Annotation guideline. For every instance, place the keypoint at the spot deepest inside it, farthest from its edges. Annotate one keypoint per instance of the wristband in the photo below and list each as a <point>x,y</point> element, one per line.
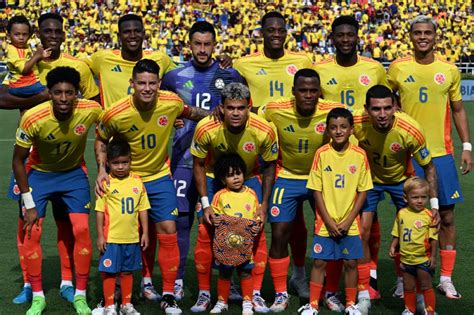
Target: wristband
<point>434,203</point>
<point>466,146</point>
<point>28,200</point>
<point>205,202</point>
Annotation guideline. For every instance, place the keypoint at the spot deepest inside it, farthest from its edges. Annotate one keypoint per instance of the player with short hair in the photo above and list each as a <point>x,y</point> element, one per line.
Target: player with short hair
<point>345,78</point>
<point>118,212</point>
<point>390,139</point>
<point>300,122</point>
<point>418,241</point>
<point>199,83</point>
<point>269,75</point>
<point>145,119</point>
<point>57,131</point>
<point>422,80</point>
<point>250,136</point>
<point>113,68</point>
<point>340,178</point>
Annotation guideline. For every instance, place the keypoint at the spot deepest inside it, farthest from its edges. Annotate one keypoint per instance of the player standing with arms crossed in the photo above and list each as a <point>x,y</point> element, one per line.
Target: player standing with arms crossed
<point>199,83</point>
<point>429,89</point>
<point>57,130</point>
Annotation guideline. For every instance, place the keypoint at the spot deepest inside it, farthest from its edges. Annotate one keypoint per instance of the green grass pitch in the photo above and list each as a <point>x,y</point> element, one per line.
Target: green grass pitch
<point>11,281</point>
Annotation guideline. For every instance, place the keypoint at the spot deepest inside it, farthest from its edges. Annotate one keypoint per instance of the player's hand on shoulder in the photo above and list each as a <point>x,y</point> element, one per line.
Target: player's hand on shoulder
<point>225,61</point>
<point>101,244</point>
<point>101,183</point>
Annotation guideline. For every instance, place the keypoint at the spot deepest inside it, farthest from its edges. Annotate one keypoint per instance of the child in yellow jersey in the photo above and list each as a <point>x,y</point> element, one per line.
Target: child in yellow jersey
<point>340,178</point>
<point>118,211</point>
<point>418,242</point>
<point>234,237</point>
<point>22,79</point>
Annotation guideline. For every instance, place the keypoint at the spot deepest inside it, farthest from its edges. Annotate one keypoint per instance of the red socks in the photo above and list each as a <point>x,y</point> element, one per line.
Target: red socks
<point>279,272</point>
<point>168,259</point>
<point>203,257</point>
<point>260,256</point>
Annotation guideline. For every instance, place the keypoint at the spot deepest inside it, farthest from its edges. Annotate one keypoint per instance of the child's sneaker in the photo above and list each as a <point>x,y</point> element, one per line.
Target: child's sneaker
<point>333,303</point>
<point>307,310</point>
<point>352,310</point>
<point>281,303</point>
<point>247,307</point>
<point>128,309</point>
<point>202,304</point>
<point>447,288</point>
<point>220,307</point>
<point>259,304</point>
<point>110,310</point>
<point>169,306</point>
<point>178,289</point>
<point>149,292</point>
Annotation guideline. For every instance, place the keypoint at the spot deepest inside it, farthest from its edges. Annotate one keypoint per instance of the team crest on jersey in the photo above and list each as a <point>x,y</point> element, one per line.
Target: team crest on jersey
<point>162,120</point>
<point>318,248</point>
<point>320,128</point>
<point>418,224</point>
<point>275,211</point>
<point>16,190</point>
<point>395,147</point>
<point>219,83</point>
<point>274,148</point>
<point>80,129</point>
<point>364,79</point>
<point>248,207</point>
<point>439,78</point>
<point>291,69</point>
<point>352,169</point>
<point>248,147</point>
<point>107,263</point>
<point>135,190</point>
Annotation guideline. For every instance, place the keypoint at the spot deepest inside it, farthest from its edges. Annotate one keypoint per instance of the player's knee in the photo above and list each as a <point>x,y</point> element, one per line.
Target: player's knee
<point>319,264</point>
<point>166,227</point>
<point>350,264</point>
<point>447,219</point>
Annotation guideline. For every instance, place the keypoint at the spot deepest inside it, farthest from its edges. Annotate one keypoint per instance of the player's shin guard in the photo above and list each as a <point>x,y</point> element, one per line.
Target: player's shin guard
<point>108,287</point>
<point>65,243</point>
<point>350,296</point>
<point>247,288</point>
<point>126,285</point>
<point>430,300</point>
<point>34,256</point>
<point>203,257</point>
<point>223,289</point>
<point>299,239</point>
<point>148,256</point>
<point>448,259</point>
<point>315,294</point>
<point>279,272</point>
<point>410,301</point>
<point>333,275</point>
<point>82,248</point>
<point>168,259</point>
<point>183,228</point>
<point>20,237</point>
<point>260,253</point>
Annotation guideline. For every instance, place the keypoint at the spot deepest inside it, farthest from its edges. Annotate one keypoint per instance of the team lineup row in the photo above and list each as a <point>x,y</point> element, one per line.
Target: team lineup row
<point>200,84</point>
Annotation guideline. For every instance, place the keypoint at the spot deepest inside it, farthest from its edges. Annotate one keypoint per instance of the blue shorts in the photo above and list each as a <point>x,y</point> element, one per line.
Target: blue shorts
<point>121,257</point>
<point>162,197</point>
<point>412,269</point>
<point>449,188</point>
<point>329,248</point>
<point>27,91</point>
<point>186,191</point>
<point>214,186</point>
<point>287,195</point>
<point>376,194</point>
<point>69,189</point>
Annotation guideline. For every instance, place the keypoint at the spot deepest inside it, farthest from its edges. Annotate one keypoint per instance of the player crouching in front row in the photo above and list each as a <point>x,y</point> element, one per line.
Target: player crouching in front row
<point>339,169</point>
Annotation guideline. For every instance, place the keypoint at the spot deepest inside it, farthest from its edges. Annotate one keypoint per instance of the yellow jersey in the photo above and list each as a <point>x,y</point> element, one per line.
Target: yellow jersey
<point>425,94</point>
<point>57,145</point>
<point>147,132</point>
<point>349,85</point>
<point>242,204</point>
<point>16,59</point>
<point>298,136</point>
<point>339,176</point>
<point>87,85</point>
<point>212,139</point>
<point>414,233</point>
<point>390,153</point>
<point>121,202</point>
<point>114,72</point>
<point>270,79</point>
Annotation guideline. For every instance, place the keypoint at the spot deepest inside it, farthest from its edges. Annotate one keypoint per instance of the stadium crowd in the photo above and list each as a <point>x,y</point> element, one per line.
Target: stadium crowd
<point>92,25</point>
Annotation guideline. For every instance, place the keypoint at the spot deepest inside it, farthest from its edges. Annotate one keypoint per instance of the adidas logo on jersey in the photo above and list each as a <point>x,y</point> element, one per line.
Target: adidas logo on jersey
<point>189,84</point>
<point>289,128</point>
<point>115,192</point>
<point>221,147</point>
<point>328,169</point>
<point>456,195</point>
<point>332,82</point>
<point>409,79</point>
<point>133,128</point>
<point>227,206</point>
<point>50,137</point>
<point>262,72</point>
<point>117,68</point>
